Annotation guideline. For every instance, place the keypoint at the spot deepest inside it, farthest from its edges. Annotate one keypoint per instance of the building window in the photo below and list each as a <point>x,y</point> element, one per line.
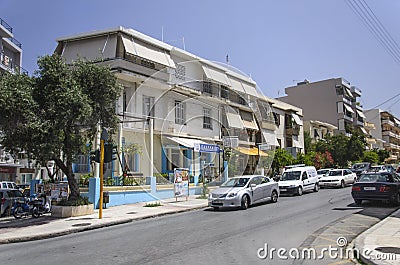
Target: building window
<point>174,160</point>
<point>277,119</point>
<point>124,101</point>
<point>207,119</point>
<point>207,88</point>
<point>266,112</point>
<point>180,72</point>
<point>179,112</point>
<point>224,92</point>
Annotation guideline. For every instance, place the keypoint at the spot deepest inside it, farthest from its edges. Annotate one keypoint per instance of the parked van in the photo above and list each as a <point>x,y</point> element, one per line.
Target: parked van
<point>299,179</point>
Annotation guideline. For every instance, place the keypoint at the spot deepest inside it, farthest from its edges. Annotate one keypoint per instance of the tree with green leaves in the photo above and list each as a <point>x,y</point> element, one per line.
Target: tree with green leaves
<point>281,159</point>
<point>370,156</point>
<point>55,113</point>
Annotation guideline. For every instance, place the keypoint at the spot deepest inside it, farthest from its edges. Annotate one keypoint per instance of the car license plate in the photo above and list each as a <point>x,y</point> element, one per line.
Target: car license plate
<point>216,201</point>
<point>369,188</point>
<point>283,189</point>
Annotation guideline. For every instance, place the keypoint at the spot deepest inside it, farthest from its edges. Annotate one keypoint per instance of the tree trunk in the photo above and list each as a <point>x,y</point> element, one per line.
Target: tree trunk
<point>73,185</point>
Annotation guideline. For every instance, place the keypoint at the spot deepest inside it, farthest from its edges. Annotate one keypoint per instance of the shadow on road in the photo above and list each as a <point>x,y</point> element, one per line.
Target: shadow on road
<point>11,222</point>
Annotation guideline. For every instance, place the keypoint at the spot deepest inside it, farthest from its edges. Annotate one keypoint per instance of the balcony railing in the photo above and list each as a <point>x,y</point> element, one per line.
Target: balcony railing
<point>4,24</point>
<point>13,40</point>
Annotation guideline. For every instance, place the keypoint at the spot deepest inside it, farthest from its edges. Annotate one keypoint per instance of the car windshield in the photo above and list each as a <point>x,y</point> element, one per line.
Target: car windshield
<point>375,178</point>
<point>359,166</point>
<point>335,173</point>
<point>235,182</point>
<point>293,175</point>
<point>322,171</point>
<point>15,193</point>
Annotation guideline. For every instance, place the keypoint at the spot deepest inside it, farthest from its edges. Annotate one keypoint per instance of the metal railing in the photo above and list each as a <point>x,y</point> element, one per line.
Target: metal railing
<point>4,24</point>
<point>13,40</point>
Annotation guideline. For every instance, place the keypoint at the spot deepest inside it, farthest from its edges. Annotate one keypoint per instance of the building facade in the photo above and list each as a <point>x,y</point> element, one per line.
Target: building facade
<point>18,169</point>
<point>333,101</point>
<point>191,101</point>
<point>386,132</point>
<point>318,130</point>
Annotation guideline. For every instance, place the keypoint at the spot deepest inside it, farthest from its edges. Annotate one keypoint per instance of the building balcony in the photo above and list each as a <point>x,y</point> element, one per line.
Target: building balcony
<point>5,29</point>
<point>292,130</point>
<point>391,134</point>
<point>356,91</point>
<point>7,64</point>
<point>387,121</point>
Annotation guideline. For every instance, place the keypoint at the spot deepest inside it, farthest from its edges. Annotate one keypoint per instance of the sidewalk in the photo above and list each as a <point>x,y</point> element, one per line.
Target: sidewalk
<point>27,229</point>
<point>381,243</point>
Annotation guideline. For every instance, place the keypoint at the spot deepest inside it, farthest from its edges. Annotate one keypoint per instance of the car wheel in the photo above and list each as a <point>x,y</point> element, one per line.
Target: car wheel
<point>274,196</point>
<point>316,187</point>
<point>299,191</point>
<point>18,212</point>
<point>397,200</point>
<point>358,202</point>
<point>342,184</point>
<point>245,202</point>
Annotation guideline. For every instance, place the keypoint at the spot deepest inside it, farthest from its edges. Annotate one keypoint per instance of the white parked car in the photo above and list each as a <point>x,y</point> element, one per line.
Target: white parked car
<point>299,179</point>
<point>323,171</point>
<point>244,191</point>
<point>338,178</point>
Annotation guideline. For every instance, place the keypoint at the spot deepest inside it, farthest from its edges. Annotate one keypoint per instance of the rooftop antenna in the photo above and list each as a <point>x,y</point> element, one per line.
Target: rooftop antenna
<point>183,42</point>
<point>227,59</point>
<point>162,33</point>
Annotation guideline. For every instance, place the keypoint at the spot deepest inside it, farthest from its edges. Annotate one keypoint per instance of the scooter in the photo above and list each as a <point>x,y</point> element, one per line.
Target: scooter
<point>36,206</point>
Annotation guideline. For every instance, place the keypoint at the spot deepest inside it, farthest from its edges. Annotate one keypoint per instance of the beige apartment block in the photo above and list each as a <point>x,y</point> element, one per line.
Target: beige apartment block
<point>386,131</point>
<point>332,101</point>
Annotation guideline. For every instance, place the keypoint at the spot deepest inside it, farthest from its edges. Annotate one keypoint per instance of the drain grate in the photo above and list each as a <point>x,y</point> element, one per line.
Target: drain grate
<point>393,250</point>
<point>81,224</point>
<point>132,213</point>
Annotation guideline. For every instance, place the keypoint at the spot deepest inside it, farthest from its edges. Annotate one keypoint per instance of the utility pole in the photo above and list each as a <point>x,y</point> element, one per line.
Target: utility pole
<point>104,136</point>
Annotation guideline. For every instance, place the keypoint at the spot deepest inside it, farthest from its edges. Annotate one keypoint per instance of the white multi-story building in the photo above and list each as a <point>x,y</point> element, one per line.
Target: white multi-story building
<point>191,100</point>
<point>18,169</point>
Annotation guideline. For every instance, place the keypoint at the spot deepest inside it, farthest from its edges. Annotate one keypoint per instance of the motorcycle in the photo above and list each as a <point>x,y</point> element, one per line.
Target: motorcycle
<point>36,206</point>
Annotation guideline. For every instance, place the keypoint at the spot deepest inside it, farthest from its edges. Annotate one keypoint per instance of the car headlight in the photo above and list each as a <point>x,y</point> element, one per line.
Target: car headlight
<point>232,194</point>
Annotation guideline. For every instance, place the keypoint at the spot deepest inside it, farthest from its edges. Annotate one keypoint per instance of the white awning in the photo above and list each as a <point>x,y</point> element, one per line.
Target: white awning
<point>250,124</point>
<point>270,137</point>
<point>348,108</point>
<point>297,144</point>
<point>236,85</point>
<point>251,90</point>
<point>397,121</point>
<point>144,52</point>
<point>187,142</point>
<point>297,119</point>
<point>361,114</point>
<point>363,130</point>
<point>348,92</point>
<point>234,120</point>
<point>216,75</point>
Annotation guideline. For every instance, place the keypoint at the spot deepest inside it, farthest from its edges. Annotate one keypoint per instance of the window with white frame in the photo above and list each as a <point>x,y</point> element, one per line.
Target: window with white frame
<point>179,112</point>
<point>207,118</point>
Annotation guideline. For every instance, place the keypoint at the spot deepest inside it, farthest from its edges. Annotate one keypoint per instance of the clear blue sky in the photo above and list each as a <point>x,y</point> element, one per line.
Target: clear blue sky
<point>278,43</point>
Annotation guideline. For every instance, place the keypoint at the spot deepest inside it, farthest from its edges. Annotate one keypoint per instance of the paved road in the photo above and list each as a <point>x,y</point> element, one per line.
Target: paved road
<point>199,237</point>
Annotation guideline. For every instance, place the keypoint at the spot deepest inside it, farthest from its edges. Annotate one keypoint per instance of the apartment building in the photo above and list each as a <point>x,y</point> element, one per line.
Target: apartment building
<point>18,169</point>
<point>318,130</point>
<point>386,132</point>
<point>191,101</point>
<point>332,101</point>
<point>10,50</point>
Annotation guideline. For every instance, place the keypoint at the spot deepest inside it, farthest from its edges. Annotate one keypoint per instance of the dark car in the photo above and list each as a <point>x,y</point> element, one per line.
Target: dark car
<point>7,199</point>
<point>380,186</point>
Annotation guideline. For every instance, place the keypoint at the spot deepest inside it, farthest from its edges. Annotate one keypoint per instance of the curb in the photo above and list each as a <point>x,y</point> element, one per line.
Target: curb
<point>91,227</point>
<point>359,242</point>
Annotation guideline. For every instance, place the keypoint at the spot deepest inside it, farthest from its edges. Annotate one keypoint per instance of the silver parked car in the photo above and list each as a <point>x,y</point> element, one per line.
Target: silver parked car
<point>244,191</point>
